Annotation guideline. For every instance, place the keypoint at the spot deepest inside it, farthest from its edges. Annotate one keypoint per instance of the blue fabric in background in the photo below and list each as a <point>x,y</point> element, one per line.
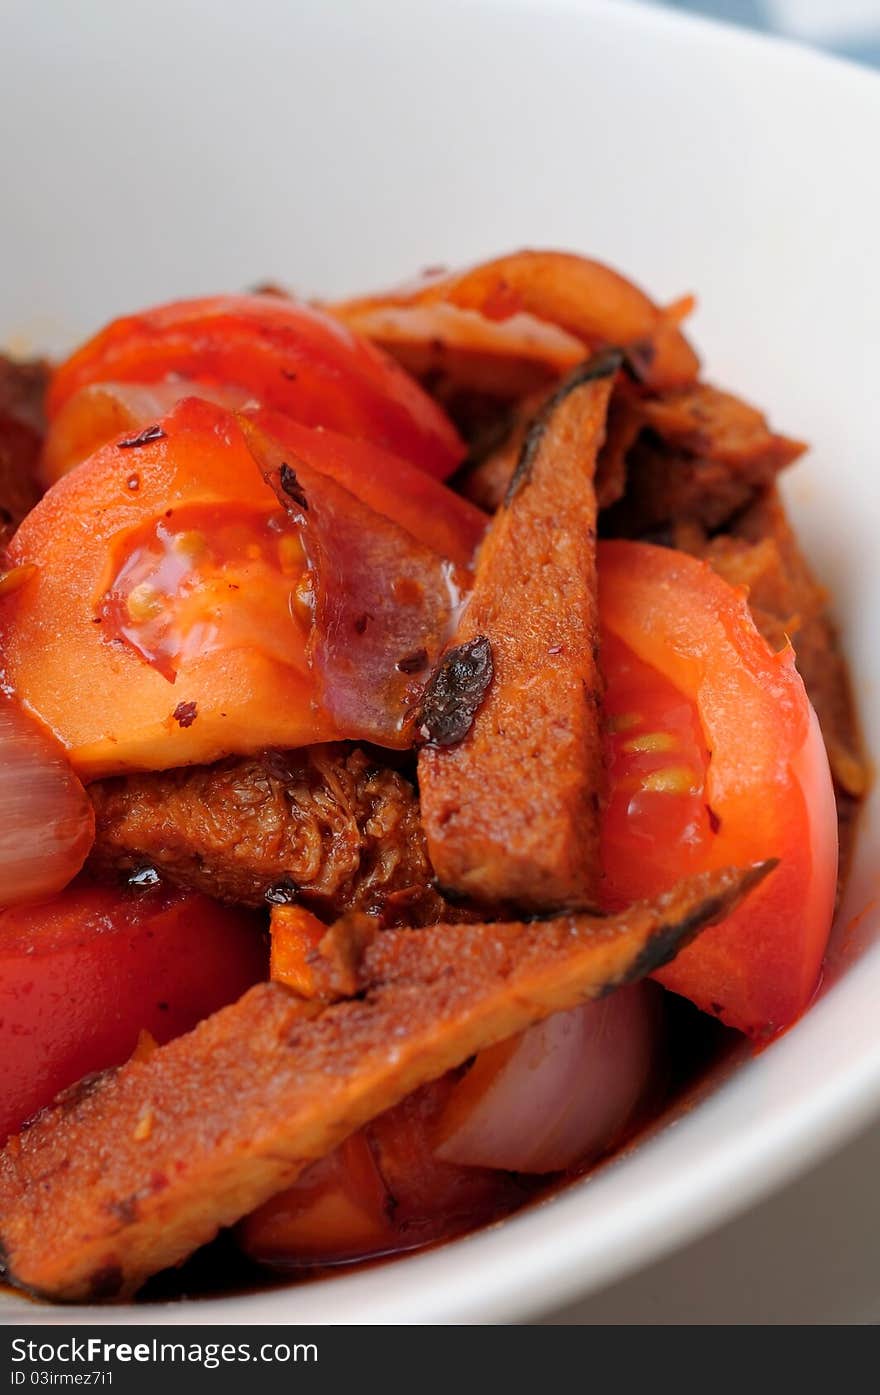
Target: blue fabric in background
<point>859,41</point>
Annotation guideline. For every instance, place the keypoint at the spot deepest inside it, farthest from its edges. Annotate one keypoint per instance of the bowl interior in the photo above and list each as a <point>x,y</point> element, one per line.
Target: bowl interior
<point>192,147</point>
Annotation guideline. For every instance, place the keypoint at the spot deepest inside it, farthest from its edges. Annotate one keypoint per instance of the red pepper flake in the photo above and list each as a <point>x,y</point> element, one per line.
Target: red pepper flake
<point>412,663</point>
<point>714,819</point>
<point>134,483</point>
<point>292,487</point>
<point>555,649</point>
<point>143,438</point>
<point>289,374</point>
<point>360,623</point>
<point>502,301</point>
<point>185,713</point>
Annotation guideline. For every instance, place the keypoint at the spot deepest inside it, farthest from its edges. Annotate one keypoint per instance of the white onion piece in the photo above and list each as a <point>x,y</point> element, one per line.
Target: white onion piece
<point>47,824</point>
<point>565,1091</point>
<point>519,334</point>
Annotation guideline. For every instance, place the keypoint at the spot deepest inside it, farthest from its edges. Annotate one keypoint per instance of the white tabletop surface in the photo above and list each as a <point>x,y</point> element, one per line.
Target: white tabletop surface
<point>809,1255</point>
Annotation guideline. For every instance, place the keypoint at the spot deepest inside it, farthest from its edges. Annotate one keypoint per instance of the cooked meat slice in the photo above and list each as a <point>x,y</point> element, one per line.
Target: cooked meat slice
<point>23,384</point>
<point>510,799</point>
<point>622,430</point>
<point>761,552</point>
<point>330,824</point>
<point>22,388</point>
<point>703,456</point>
<point>137,1170</point>
<point>694,453</point>
<point>485,480</point>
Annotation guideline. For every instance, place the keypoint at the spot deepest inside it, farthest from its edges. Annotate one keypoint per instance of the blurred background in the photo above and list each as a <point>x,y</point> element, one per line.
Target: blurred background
<point>849,28</point>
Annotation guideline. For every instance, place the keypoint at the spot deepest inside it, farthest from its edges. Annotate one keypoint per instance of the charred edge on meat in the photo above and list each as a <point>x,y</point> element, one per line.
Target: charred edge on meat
<point>455,692</point>
<point>665,945</point>
<point>602,365</point>
<point>638,359</point>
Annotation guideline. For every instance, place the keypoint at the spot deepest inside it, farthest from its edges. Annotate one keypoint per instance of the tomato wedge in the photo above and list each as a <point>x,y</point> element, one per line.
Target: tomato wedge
<point>286,355</point>
<point>715,758</point>
<point>161,626</point>
<point>81,976</point>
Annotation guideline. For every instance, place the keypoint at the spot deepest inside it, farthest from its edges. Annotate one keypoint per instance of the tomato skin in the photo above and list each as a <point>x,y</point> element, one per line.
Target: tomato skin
<point>444,521</point>
<point>82,975</point>
<point>767,789</point>
<point>289,356</point>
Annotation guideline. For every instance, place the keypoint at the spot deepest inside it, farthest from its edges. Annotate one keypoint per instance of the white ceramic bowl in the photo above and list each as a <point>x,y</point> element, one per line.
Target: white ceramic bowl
<point>190,145</point>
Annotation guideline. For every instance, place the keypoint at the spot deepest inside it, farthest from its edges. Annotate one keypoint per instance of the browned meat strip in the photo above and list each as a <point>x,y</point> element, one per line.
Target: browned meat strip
<point>510,796</point>
<point>693,454</point>
<point>329,822</point>
<point>485,479</point>
<point>22,388</point>
<point>703,456</point>
<point>133,1173</point>
<point>761,552</point>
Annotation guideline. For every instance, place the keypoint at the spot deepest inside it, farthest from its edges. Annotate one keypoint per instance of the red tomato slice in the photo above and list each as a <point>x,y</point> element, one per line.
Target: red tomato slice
<point>288,356</point>
<point>715,758</point>
<point>83,975</point>
<point>162,625</point>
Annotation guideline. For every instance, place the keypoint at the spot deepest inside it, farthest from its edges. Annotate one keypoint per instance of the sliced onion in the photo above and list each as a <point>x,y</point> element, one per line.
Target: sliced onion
<point>47,824</point>
<point>559,1094</point>
<point>505,358</point>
